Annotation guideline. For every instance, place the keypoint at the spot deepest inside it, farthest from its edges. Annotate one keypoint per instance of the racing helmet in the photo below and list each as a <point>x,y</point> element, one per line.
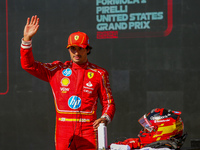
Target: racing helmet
<point>160,124</point>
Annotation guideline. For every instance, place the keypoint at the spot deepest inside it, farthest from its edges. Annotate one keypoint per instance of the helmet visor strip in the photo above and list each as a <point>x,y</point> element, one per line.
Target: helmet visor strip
<point>146,123</point>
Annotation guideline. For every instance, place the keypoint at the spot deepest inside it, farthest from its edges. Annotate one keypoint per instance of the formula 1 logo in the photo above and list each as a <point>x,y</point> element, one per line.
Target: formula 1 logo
<point>74,102</point>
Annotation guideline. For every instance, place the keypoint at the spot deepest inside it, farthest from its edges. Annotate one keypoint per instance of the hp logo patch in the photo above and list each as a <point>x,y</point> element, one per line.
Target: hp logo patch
<point>67,72</point>
<point>74,102</point>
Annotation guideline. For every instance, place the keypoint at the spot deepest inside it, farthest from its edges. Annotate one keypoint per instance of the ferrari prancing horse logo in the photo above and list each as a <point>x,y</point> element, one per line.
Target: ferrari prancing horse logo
<point>76,37</point>
<point>90,75</point>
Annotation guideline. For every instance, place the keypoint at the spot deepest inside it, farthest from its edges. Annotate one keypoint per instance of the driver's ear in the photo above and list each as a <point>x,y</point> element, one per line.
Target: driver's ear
<point>88,50</point>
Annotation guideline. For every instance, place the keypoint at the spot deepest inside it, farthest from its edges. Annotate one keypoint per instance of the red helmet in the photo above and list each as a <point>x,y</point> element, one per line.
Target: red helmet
<point>160,124</point>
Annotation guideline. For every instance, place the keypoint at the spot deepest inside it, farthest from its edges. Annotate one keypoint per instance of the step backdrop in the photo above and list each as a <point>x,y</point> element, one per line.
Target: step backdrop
<point>150,48</point>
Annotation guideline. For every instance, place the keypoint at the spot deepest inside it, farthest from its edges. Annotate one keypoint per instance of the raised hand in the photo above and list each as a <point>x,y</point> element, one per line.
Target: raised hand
<point>31,28</point>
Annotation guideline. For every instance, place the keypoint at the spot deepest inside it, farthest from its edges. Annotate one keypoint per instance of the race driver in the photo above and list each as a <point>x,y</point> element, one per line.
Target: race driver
<point>76,87</point>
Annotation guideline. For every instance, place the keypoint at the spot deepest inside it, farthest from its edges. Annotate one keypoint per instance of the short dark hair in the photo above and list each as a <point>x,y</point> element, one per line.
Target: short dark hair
<point>89,48</point>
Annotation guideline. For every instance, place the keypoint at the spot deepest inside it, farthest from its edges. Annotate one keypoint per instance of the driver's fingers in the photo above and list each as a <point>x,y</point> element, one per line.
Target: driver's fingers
<point>32,19</point>
<point>28,21</point>
<point>35,19</point>
<point>38,20</point>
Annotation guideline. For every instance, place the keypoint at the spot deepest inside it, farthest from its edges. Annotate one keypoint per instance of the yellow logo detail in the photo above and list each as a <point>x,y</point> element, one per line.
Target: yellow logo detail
<point>165,130</point>
<point>90,75</point>
<point>76,37</point>
<point>65,81</point>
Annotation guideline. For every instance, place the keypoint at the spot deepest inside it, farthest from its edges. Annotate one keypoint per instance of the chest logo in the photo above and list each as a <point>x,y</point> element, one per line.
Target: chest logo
<point>65,81</point>
<point>67,72</point>
<point>89,84</point>
<point>90,75</point>
<point>74,102</point>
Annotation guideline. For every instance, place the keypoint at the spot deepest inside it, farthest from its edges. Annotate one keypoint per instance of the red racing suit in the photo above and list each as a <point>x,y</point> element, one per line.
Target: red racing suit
<point>76,89</point>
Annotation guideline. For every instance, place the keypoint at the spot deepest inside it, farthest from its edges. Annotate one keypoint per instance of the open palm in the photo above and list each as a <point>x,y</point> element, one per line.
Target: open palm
<point>31,28</point>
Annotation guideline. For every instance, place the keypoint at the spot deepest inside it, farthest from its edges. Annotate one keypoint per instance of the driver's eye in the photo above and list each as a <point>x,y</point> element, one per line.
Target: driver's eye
<point>72,48</point>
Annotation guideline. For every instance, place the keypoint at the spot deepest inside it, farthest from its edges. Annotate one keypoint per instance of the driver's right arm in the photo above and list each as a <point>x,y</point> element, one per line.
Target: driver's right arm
<point>41,70</point>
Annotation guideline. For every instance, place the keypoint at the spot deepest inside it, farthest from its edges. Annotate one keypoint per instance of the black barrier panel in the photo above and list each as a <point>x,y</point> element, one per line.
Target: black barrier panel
<point>4,72</point>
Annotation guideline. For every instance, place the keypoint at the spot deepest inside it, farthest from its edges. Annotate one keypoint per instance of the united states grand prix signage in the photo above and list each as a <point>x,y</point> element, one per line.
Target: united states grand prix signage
<point>133,18</point>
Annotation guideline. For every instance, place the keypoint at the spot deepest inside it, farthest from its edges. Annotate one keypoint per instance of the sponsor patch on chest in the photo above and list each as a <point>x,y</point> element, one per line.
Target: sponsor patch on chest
<point>90,75</point>
<point>67,72</point>
<point>65,81</point>
<point>74,102</point>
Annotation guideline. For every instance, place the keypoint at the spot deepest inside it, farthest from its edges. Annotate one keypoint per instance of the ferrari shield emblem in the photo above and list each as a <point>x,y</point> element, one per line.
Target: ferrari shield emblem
<point>76,37</point>
<point>90,75</point>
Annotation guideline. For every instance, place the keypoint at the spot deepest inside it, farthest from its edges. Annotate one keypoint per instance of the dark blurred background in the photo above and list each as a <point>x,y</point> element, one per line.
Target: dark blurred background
<point>148,69</point>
